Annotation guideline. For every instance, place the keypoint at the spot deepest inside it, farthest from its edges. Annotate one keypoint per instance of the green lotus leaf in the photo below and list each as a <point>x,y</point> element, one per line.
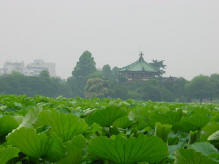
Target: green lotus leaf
<point>30,118</point>
<point>165,116</point>
<point>193,136</point>
<point>214,136</point>
<point>192,121</point>
<point>30,143</point>
<point>123,122</point>
<point>214,139</point>
<point>162,131</point>
<point>74,150</point>
<point>56,150</point>
<point>7,153</point>
<point>190,156</point>
<point>106,117</point>
<point>149,116</point>
<point>62,125</point>
<point>208,130</point>
<point>204,148</point>
<point>8,123</point>
<point>127,151</point>
<point>37,145</point>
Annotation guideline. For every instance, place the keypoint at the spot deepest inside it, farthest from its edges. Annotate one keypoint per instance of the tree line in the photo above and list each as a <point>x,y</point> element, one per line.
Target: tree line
<point>87,81</point>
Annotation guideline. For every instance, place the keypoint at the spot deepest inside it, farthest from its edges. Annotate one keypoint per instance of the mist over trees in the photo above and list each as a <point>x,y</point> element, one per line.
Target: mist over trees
<point>87,81</point>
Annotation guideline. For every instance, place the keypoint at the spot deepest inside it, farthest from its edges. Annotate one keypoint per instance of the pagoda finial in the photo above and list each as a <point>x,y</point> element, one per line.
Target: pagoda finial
<point>141,54</point>
<point>141,57</point>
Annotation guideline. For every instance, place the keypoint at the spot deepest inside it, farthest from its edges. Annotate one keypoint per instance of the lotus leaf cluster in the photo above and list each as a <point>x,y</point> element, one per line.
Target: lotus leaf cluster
<point>42,130</point>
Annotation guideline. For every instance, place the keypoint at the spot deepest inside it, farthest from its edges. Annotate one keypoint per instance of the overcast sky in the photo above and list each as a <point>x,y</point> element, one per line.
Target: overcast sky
<point>184,33</point>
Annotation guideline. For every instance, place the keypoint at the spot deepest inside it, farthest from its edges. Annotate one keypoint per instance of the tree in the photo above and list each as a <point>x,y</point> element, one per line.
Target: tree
<point>119,91</point>
<point>97,74</point>
<point>159,65</point>
<point>84,67</point>
<point>150,92</point>
<point>76,86</point>
<point>96,87</point>
<point>176,86</point>
<point>115,72</point>
<point>44,74</point>
<point>107,73</point>
<point>199,88</point>
<point>17,83</point>
<point>166,95</point>
<point>214,78</point>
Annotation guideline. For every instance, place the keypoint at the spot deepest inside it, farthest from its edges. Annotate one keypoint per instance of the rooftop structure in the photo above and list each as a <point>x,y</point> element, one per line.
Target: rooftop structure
<point>139,70</point>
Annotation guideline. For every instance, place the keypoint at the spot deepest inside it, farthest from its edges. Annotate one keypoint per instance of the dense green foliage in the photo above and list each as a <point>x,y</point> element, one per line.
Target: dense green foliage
<point>19,84</point>
<point>84,67</point>
<point>87,81</point>
<point>106,131</point>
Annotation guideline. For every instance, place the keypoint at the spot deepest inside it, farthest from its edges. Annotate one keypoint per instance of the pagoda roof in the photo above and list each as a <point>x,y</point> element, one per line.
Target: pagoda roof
<point>140,65</point>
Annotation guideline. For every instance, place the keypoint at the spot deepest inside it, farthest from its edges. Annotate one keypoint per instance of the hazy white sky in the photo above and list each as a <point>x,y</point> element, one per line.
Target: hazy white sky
<point>184,33</point>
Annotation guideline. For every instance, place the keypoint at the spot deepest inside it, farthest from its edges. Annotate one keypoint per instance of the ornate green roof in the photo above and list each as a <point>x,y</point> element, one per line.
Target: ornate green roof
<point>140,65</point>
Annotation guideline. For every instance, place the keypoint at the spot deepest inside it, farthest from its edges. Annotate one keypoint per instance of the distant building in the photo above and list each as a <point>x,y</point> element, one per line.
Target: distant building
<point>10,67</point>
<point>1,71</point>
<point>139,70</point>
<point>35,68</point>
<point>32,69</point>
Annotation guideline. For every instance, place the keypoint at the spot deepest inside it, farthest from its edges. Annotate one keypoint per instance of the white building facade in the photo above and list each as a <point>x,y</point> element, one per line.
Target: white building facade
<point>10,67</point>
<point>1,71</point>
<point>32,69</point>
<point>35,68</point>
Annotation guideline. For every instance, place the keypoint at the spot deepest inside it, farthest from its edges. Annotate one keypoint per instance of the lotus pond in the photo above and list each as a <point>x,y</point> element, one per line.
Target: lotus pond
<point>41,130</point>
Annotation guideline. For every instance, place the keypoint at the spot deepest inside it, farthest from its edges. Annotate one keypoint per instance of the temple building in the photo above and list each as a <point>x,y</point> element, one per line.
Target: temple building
<point>139,70</point>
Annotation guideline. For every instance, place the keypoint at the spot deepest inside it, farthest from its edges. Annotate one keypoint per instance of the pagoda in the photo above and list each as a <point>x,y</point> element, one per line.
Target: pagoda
<point>139,70</point>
